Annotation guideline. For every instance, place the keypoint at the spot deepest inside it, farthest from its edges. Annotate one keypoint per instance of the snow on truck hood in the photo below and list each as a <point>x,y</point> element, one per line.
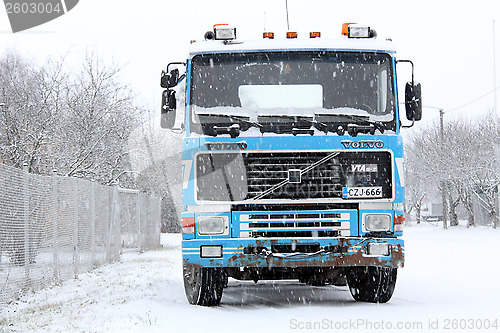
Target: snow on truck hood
<point>339,44</point>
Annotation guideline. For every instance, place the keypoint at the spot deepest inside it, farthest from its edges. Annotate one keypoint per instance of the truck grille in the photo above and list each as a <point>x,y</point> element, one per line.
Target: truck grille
<point>295,234</point>
<point>296,175</point>
<point>267,170</point>
<point>294,224</point>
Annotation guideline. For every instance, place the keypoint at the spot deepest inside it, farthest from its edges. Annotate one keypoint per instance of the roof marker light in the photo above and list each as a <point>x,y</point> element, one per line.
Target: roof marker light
<point>315,34</point>
<point>291,34</point>
<point>269,35</point>
<point>345,28</point>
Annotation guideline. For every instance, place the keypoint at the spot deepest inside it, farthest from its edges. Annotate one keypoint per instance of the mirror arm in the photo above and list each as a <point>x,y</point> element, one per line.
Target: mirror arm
<point>412,69</point>
<point>175,63</point>
<point>167,76</point>
<point>408,126</point>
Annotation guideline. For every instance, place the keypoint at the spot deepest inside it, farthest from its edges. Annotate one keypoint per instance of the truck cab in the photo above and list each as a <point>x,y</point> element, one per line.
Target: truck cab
<point>292,161</point>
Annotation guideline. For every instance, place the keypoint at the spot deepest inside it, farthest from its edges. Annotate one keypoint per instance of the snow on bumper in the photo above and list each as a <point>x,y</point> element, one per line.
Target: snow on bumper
<point>269,252</point>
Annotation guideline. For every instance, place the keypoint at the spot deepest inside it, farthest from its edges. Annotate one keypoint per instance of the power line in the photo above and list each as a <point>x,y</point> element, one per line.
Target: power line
<point>458,107</point>
<point>474,100</point>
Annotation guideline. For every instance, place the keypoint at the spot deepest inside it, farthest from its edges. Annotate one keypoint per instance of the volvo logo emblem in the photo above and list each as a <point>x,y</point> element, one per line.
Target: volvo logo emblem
<point>363,144</point>
<point>294,176</point>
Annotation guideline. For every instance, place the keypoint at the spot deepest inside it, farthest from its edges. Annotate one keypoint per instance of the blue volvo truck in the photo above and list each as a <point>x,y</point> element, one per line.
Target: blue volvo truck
<point>292,161</point>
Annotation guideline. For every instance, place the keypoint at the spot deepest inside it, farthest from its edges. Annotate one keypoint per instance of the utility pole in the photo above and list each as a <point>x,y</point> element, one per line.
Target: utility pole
<point>443,181</point>
<point>287,20</point>
<point>494,68</point>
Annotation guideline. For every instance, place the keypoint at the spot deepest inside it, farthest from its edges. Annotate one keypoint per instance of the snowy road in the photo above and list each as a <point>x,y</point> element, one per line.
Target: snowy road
<point>451,281</point>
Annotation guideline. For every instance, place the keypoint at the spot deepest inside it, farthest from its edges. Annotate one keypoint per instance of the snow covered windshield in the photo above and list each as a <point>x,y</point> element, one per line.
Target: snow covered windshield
<point>314,88</point>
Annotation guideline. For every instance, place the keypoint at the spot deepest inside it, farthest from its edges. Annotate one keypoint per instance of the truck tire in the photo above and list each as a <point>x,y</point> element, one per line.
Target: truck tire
<point>372,284</point>
<point>203,286</point>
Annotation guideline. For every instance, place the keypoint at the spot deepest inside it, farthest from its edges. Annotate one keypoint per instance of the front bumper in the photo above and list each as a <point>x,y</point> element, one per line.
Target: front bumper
<point>329,252</point>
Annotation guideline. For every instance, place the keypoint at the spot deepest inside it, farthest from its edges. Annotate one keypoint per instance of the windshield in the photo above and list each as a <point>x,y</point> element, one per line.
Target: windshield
<point>291,90</point>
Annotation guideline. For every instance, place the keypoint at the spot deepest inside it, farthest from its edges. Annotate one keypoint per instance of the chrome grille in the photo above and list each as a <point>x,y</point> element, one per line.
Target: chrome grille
<point>295,224</point>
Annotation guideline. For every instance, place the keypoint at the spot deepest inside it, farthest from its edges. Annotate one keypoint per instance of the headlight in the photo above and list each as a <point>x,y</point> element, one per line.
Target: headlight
<point>378,222</point>
<point>211,225</point>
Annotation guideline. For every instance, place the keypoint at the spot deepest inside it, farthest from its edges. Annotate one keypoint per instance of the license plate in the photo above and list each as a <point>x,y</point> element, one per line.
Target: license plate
<point>362,192</point>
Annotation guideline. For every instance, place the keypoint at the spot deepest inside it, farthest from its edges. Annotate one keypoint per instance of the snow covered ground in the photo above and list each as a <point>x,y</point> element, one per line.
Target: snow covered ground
<point>451,281</point>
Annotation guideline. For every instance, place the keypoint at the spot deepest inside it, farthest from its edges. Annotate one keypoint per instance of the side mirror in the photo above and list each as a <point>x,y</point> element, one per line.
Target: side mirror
<point>168,101</point>
<point>168,106</point>
<point>169,80</point>
<point>413,101</point>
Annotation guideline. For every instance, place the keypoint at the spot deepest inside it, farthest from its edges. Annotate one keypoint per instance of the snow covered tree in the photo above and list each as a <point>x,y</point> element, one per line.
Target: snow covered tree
<point>30,109</point>
<point>416,184</point>
<point>464,164</point>
<point>100,115</point>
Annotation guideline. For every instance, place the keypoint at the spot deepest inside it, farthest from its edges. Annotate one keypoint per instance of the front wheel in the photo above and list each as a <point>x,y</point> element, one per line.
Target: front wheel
<point>372,284</point>
<point>203,286</point>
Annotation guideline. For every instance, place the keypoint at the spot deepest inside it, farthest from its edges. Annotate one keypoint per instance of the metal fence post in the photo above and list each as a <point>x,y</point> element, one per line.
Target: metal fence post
<point>138,210</point>
<point>114,229</point>
<point>55,225</point>
<point>158,220</point>
<point>76,250</point>
<point>155,220</point>
<point>110,219</point>
<point>92,225</point>
<point>26,198</point>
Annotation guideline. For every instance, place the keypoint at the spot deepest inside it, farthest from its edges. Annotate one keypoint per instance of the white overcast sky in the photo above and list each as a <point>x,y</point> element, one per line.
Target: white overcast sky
<point>450,42</point>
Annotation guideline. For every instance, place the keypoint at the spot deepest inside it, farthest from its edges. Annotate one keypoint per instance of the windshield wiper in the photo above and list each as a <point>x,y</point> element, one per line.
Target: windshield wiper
<point>354,129</point>
<point>369,126</point>
<point>233,130</point>
<point>288,124</point>
<point>243,119</point>
<point>235,125</point>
